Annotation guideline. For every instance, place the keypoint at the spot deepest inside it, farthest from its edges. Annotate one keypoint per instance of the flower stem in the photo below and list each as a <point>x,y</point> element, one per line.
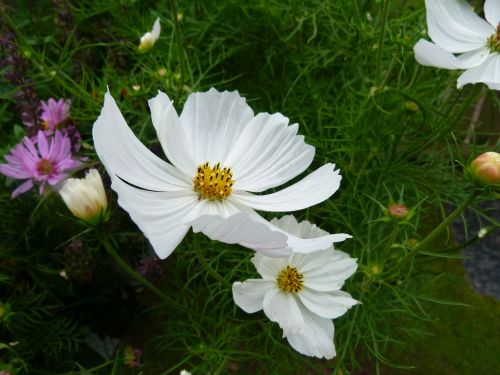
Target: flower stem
<point>134,274</point>
<point>440,228</point>
<point>180,49</point>
<point>383,23</point>
<point>204,263</point>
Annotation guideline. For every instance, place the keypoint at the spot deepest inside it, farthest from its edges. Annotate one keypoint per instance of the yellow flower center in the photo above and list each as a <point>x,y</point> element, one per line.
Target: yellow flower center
<point>44,125</point>
<point>44,167</point>
<point>494,41</point>
<point>213,183</point>
<point>290,280</point>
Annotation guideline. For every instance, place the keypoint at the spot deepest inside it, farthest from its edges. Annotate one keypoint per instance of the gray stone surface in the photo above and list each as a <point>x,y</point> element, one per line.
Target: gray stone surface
<point>483,257</point>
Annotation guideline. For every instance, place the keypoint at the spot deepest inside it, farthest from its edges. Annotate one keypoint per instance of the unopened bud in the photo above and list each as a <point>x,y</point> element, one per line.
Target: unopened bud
<point>411,106</point>
<point>150,38</point>
<point>132,356</point>
<point>485,169</point>
<point>86,197</point>
<point>397,211</point>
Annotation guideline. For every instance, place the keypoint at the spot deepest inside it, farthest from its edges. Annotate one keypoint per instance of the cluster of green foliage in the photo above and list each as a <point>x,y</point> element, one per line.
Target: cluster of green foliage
<point>344,70</point>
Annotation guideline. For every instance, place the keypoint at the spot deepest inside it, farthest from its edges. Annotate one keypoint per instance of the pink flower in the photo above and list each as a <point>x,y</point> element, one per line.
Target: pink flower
<point>54,113</point>
<point>43,161</point>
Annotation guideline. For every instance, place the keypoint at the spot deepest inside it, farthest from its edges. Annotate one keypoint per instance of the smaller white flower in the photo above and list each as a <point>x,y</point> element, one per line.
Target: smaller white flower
<point>86,197</point>
<point>301,293</point>
<point>184,372</point>
<point>463,40</point>
<point>150,38</point>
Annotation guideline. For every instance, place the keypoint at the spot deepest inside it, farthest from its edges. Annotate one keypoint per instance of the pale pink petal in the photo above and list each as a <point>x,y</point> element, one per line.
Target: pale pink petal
<point>25,186</point>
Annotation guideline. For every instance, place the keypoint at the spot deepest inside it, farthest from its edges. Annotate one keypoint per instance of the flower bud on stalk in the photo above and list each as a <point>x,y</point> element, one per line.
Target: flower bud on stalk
<point>485,169</point>
<point>86,197</point>
<point>150,38</point>
<point>397,211</point>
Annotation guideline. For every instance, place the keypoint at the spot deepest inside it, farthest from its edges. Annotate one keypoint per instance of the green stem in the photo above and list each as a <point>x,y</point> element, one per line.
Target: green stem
<point>134,274</point>
<point>180,49</point>
<point>383,23</point>
<point>440,228</point>
<point>204,263</point>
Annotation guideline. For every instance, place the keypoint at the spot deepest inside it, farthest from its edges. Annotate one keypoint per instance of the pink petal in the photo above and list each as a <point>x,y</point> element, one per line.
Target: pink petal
<point>22,188</point>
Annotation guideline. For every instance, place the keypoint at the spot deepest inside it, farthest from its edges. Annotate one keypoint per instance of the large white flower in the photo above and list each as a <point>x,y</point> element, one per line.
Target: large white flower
<point>456,29</point>
<point>220,155</point>
<point>301,293</point>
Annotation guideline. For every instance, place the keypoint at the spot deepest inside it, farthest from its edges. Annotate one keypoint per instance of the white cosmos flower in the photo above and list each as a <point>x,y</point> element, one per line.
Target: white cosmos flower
<point>150,38</point>
<point>301,293</point>
<point>86,197</point>
<point>221,154</point>
<point>456,29</point>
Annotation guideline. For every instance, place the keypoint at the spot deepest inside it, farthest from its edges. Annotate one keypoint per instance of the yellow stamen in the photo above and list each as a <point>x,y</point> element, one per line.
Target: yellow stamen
<point>213,183</point>
<point>494,41</point>
<point>44,125</point>
<point>290,280</point>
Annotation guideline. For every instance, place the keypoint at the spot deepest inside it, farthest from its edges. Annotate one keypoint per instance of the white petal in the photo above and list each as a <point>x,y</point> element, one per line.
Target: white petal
<point>328,305</point>
<point>282,308</point>
<point>208,207</point>
<point>492,12</point>
<point>474,58</point>
<point>430,54</point>
<point>213,122</point>
<point>171,134</point>
<point>125,156</point>
<point>305,245</point>
<point>249,295</point>
<point>332,274</point>
<point>317,338</point>
<point>488,73</point>
<point>155,33</point>
<point>159,215</point>
<point>453,25</point>
<point>269,268</point>
<point>312,189</point>
<point>268,153</point>
<point>242,229</point>
<point>304,229</point>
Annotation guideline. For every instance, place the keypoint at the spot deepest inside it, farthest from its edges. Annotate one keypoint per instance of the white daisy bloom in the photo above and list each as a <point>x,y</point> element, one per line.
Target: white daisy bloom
<point>463,40</point>
<point>221,154</point>
<point>150,38</point>
<point>85,197</point>
<point>301,293</point>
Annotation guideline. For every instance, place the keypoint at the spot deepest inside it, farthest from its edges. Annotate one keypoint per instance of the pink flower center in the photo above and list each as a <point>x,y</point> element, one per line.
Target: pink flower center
<point>44,167</point>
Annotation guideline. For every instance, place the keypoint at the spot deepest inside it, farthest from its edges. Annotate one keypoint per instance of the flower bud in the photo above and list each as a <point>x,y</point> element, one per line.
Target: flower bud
<point>485,169</point>
<point>132,356</point>
<point>85,197</point>
<point>150,38</point>
<point>397,211</point>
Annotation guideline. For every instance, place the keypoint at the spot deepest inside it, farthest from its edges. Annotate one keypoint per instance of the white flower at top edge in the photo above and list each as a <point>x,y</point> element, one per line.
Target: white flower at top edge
<point>456,29</point>
<point>221,154</point>
<point>86,197</point>
<point>150,38</point>
<point>301,293</point>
